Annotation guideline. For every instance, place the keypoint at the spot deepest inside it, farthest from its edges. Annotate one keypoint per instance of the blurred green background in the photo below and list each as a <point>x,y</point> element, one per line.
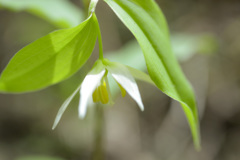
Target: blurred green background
<point>206,39</point>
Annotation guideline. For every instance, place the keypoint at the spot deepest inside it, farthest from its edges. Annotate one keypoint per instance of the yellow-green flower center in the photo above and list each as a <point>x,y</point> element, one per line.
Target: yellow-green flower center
<point>101,93</point>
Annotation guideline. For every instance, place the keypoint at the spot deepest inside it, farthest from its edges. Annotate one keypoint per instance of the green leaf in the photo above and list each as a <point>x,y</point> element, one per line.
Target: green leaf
<point>147,23</point>
<point>50,59</point>
<point>61,13</point>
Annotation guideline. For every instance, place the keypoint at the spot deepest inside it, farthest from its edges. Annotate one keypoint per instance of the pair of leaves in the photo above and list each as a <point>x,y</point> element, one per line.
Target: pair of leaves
<point>58,55</point>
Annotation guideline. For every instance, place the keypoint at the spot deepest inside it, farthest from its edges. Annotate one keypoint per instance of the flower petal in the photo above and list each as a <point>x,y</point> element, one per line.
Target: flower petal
<point>64,107</point>
<point>123,76</point>
<point>89,84</point>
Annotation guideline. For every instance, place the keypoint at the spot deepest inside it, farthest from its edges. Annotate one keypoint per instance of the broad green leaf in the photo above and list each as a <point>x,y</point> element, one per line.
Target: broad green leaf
<point>61,13</point>
<point>50,59</point>
<point>147,23</point>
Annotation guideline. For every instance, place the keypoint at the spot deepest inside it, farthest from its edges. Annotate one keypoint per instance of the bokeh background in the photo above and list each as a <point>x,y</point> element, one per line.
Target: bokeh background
<point>206,38</point>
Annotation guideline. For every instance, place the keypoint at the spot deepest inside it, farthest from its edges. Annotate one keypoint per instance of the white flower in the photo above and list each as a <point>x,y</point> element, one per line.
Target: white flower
<point>95,85</point>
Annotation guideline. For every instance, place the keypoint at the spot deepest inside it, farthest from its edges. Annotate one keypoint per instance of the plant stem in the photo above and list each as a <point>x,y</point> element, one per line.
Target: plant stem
<point>86,7</point>
<point>99,38</point>
<point>98,153</point>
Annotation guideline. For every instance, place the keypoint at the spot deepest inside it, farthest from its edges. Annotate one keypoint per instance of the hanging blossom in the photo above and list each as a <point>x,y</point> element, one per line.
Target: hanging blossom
<point>95,86</point>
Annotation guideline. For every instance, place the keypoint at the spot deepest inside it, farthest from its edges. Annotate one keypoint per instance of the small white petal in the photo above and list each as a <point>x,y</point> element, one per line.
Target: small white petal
<point>89,84</point>
<point>64,107</point>
<point>122,75</point>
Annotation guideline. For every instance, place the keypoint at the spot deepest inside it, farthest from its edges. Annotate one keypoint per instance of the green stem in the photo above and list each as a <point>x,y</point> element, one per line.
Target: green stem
<point>98,153</point>
<point>86,7</point>
<point>99,38</point>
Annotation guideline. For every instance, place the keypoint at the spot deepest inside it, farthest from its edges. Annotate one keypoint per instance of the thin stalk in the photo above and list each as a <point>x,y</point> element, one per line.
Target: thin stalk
<point>86,7</point>
<point>98,153</point>
<point>99,37</point>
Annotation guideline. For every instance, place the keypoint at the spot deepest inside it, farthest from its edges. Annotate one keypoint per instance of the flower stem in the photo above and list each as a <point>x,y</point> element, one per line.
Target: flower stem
<point>99,37</point>
<point>86,7</point>
<point>98,153</point>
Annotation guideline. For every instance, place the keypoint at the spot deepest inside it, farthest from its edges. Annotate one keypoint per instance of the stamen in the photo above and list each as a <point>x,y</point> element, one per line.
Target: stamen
<point>95,96</point>
<point>123,91</point>
<point>103,93</point>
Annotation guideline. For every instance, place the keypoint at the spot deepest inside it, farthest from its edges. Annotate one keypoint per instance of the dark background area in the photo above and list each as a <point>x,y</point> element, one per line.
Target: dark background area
<point>161,132</point>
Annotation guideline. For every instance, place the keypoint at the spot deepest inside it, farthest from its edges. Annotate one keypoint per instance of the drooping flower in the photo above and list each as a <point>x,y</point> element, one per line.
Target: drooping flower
<point>95,86</point>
